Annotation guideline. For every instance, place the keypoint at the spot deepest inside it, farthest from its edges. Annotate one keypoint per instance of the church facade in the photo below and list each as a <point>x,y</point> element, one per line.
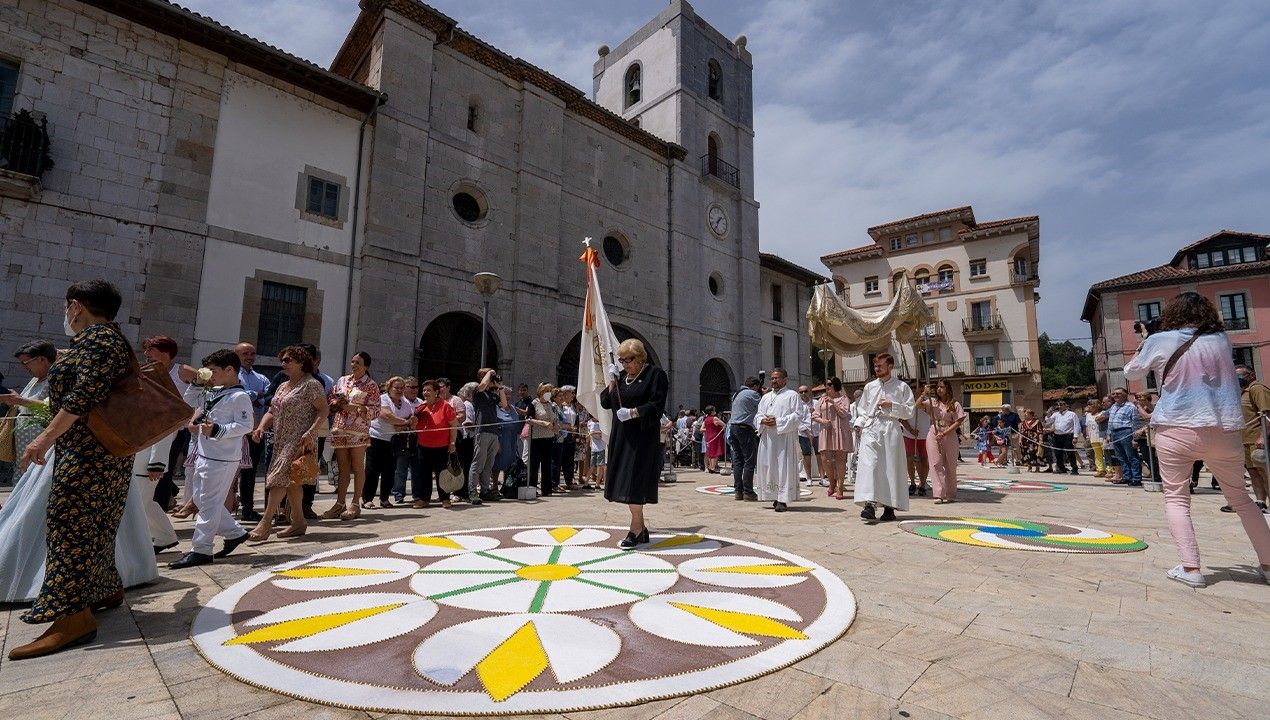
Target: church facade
<point>235,192</point>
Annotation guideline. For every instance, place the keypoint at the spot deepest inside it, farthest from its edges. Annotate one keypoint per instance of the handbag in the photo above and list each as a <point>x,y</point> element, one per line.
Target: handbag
<point>8,448</point>
<point>304,468</point>
<point>142,408</point>
<point>451,478</point>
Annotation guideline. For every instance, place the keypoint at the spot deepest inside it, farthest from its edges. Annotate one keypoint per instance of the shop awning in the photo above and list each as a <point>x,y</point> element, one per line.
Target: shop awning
<point>985,400</point>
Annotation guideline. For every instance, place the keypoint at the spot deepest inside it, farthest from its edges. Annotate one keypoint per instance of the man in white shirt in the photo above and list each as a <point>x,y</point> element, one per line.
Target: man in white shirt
<point>1065,425</point>
<point>807,434</point>
<point>882,471</point>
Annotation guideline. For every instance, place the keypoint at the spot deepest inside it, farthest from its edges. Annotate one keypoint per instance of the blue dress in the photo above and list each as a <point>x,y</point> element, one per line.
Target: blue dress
<point>508,438</point>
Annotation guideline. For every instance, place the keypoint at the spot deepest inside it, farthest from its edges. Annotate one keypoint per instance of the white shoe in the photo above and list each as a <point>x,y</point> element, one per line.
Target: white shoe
<point>1194,579</point>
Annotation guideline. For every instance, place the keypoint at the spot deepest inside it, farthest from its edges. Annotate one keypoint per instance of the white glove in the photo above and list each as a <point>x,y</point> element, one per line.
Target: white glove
<point>614,371</point>
<point>623,414</point>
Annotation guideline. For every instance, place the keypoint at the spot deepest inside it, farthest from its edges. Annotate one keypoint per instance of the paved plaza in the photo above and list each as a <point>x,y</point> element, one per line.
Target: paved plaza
<point>943,630</point>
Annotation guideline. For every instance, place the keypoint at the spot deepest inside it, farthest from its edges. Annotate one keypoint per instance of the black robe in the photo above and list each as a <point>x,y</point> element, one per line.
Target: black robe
<point>635,453</point>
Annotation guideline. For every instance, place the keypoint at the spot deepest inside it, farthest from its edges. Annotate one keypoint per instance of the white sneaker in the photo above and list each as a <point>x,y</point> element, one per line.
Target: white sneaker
<point>1194,579</point>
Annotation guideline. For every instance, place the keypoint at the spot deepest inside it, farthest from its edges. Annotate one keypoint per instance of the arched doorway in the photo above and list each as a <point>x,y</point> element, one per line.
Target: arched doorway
<point>451,347</point>
<point>567,370</point>
<point>716,385</point>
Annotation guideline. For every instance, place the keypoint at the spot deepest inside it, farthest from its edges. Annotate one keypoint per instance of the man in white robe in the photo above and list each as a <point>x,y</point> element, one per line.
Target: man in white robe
<point>776,467</point>
<point>881,465</point>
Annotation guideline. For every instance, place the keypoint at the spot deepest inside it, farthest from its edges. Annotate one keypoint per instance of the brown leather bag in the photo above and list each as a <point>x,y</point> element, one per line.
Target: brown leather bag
<point>142,408</point>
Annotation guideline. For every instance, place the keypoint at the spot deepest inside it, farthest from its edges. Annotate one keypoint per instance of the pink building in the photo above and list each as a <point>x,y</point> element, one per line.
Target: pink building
<point>1230,268</point>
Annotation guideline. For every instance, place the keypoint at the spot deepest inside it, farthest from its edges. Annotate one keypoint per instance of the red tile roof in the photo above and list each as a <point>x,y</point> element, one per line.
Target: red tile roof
<point>794,270</point>
<point>1000,223</point>
<point>965,209</point>
<point>1169,275</point>
<point>1181,254</point>
<point>842,254</point>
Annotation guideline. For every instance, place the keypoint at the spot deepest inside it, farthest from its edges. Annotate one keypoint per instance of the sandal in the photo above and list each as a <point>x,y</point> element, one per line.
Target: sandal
<point>369,505</point>
<point>351,514</point>
<point>293,532</point>
<point>255,536</point>
<point>336,511</point>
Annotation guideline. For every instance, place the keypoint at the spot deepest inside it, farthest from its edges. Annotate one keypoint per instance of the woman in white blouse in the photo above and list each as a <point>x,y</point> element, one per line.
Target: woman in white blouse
<point>1198,418</point>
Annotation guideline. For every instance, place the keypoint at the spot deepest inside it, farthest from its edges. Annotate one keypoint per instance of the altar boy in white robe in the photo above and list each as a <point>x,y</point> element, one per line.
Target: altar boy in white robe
<point>776,466</point>
<point>881,465</point>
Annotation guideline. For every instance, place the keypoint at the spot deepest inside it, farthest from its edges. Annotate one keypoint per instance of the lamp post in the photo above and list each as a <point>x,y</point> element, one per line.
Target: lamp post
<point>825,354</point>
<point>487,283</point>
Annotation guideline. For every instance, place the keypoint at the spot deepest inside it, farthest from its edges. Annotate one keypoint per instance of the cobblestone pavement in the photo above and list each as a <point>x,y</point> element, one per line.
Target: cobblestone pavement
<point>943,630</point>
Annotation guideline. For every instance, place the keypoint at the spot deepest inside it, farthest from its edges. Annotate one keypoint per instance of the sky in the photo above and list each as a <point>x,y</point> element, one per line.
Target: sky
<point>1131,128</point>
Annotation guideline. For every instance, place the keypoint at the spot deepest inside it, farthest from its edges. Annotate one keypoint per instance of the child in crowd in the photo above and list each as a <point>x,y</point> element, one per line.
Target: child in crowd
<point>599,464</point>
<point>983,437</point>
<point>1003,435</point>
<point>222,416</point>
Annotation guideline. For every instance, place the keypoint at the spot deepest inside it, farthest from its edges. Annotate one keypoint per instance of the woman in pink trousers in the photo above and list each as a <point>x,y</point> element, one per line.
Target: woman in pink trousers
<point>1198,417</point>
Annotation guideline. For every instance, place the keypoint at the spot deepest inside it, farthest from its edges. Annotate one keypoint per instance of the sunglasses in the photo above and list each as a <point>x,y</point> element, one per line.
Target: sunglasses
<point>286,360</point>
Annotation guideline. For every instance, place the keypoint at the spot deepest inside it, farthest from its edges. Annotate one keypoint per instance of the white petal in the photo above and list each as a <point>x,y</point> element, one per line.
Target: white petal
<point>390,569</point>
<point>466,544</point>
<point>544,536</point>
<point>393,623</point>
<point>657,616</point>
<point>576,647</point>
<point>444,658</point>
<point>700,569</point>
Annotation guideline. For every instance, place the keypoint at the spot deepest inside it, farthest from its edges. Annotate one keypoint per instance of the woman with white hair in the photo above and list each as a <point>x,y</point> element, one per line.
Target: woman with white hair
<point>636,394</point>
<point>566,440</point>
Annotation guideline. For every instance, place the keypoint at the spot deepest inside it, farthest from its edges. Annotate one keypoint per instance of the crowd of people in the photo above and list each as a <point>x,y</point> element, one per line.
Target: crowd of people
<point>84,522</point>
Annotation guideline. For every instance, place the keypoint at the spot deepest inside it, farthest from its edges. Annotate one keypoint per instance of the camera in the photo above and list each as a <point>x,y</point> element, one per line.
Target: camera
<point>1148,328</point>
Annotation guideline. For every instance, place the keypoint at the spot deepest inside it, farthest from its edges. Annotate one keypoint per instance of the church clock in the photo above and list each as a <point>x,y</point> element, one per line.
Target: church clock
<point>718,221</point>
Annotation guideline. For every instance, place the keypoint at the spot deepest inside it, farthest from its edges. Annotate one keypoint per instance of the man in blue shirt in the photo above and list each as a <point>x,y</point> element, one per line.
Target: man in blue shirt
<point>743,439</point>
<point>257,387</point>
<point>1122,419</point>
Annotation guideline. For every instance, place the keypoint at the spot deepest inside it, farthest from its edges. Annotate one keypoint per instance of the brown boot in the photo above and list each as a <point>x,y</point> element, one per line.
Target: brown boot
<point>65,632</point>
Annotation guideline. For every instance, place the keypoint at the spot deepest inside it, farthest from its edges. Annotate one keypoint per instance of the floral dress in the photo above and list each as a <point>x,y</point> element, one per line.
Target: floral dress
<point>351,426</point>
<point>293,414</point>
<point>90,486</point>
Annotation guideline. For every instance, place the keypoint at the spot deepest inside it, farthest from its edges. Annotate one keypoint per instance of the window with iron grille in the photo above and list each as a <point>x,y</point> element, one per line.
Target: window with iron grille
<point>1234,311</point>
<point>8,88</point>
<point>281,317</point>
<point>324,198</point>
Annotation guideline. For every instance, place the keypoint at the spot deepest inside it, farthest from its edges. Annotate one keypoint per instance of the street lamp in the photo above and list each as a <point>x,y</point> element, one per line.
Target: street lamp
<point>825,354</point>
<point>487,283</point>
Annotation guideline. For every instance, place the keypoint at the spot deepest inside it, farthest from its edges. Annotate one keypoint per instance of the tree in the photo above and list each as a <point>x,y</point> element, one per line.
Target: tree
<point>1064,364</point>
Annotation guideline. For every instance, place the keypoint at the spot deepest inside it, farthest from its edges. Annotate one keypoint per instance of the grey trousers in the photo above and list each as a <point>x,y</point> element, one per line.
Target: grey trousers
<point>481,476</point>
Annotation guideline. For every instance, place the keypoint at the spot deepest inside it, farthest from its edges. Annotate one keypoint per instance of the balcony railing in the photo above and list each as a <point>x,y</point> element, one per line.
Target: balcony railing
<point>983,325</point>
<point>931,333</point>
<point>1236,323</point>
<point>1019,278</point>
<point>713,165</point>
<point>24,144</point>
<point>998,366</point>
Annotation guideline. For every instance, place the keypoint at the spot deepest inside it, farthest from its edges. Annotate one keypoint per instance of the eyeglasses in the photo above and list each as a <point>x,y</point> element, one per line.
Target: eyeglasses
<point>286,360</point>
<point>28,360</point>
<point>626,360</point>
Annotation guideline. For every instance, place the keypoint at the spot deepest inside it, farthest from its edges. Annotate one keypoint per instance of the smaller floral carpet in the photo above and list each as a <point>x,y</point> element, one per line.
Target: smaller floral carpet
<point>986,485</point>
<point>1023,535</point>
<point>522,620</point>
<point>803,491</point>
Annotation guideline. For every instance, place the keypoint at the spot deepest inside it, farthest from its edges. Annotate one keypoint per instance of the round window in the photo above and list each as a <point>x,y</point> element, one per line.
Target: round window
<point>467,207</point>
<point>716,284</point>
<point>615,250</point>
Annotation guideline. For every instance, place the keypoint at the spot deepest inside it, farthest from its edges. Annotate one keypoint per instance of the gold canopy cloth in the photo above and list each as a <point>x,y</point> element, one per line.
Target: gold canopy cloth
<point>847,330</point>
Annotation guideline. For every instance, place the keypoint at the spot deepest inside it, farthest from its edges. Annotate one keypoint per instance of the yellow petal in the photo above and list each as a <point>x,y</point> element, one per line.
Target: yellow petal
<point>562,533</point>
<point>676,541</point>
<point>443,542</point>
<point>761,569</point>
<point>513,664</point>
<point>967,536</point>
<point>321,572</point>
<point>746,623</point>
<point>304,627</point>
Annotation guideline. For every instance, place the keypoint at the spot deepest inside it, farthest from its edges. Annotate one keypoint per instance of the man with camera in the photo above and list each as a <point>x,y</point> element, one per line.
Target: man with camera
<point>485,400</point>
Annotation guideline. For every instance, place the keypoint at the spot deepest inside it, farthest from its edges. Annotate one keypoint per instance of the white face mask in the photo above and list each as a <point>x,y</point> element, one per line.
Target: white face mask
<point>66,324</point>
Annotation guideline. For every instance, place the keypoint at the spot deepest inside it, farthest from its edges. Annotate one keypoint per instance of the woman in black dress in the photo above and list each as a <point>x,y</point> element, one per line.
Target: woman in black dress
<point>637,396</point>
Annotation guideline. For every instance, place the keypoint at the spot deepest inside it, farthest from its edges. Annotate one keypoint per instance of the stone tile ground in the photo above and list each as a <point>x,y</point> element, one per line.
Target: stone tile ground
<point>943,630</point>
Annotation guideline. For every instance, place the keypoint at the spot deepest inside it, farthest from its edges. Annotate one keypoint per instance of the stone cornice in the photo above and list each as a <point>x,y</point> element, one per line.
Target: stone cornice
<point>358,42</point>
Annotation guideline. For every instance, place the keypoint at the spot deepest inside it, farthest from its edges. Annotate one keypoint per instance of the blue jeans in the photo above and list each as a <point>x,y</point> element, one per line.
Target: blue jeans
<point>1127,454</point>
<point>399,476</point>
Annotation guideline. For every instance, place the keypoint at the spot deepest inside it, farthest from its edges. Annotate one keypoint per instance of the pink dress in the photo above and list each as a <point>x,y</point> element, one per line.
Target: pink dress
<point>351,425</point>
<point>714,437</point>
<point>836,412</point>
<point>942,452</point>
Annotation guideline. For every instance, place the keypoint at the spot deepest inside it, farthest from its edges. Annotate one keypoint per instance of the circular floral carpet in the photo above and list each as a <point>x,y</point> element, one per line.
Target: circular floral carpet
<point>803,491</point>
<point>522,620</point>
<point>984,485</point>
<point>1023,535</point>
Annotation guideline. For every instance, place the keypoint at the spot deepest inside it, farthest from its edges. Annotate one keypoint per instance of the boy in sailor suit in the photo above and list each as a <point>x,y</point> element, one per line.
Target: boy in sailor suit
<point>222,416</point>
